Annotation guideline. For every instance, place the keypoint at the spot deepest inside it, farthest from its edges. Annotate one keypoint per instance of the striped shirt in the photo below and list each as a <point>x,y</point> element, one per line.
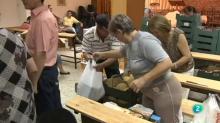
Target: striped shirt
<point>92,43</point>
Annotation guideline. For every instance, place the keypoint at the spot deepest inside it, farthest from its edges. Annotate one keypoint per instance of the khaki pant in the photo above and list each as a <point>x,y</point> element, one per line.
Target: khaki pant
<point>165,98</point>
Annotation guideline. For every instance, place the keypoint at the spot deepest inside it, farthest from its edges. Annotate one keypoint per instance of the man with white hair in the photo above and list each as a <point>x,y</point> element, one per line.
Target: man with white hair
<point>17,69</point>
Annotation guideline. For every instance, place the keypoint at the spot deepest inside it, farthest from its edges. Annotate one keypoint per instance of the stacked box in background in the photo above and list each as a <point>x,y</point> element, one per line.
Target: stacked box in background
<point>206,41</point>
<point>209,75</point>
<point>188,24</point>
<point>218,44</point>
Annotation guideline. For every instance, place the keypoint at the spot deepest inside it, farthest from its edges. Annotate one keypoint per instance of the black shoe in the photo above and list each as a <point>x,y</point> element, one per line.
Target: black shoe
<point>64,73</point>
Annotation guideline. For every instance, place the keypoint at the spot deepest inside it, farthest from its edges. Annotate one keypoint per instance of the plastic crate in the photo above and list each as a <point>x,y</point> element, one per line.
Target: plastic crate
<point>189,35</point>
<point>201,64</point>
<point>206,41</point>
<point>188,21</point>
<point>188,24</point>
<point>124,99</point>
<point>218,43</point>
<point>209,75</point>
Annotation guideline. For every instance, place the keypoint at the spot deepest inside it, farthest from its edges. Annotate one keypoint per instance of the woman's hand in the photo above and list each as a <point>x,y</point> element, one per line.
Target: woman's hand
<point>138,84</point>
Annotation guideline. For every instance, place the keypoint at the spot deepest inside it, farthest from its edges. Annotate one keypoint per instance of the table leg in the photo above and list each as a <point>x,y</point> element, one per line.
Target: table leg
<point>74,47</point>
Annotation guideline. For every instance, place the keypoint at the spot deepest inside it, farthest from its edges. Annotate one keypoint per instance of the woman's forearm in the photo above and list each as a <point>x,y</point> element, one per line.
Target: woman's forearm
<point>112,54</point>
<point>184,50</point>
<point>182,61</point>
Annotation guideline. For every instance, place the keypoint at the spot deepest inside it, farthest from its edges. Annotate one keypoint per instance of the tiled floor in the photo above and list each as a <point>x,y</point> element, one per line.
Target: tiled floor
<point>67,83</point>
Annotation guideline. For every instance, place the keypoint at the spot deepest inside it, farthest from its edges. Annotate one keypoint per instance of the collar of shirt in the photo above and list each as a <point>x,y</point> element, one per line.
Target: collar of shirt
<point>38,10</point>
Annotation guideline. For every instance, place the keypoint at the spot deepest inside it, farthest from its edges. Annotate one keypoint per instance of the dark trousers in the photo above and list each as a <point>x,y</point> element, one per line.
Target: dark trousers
<point>112,69</point>
<point>48,96</point>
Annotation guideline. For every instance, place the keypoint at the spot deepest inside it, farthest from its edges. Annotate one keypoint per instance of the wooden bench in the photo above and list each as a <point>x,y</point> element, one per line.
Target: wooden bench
<point>66,35</point>
<point>101,113</point>
<point>17,29</point>
<point>211,86</point>
<point>61,35</point>
<point>206,57</point>
<point>187,107</point>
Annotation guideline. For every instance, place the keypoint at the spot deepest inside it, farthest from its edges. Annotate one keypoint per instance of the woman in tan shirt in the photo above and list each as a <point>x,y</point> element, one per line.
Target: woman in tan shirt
<point>175,44</point>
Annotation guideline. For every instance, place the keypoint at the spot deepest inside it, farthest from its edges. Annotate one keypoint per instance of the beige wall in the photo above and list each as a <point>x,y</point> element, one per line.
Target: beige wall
<point>12,13</point>
<point>70,4</point>
<point>118,7</point>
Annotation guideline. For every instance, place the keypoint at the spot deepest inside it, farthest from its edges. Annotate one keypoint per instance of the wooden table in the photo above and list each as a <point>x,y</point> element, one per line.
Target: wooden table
<point>206,57</point>
<point>69,36</point>
<point>187,107</point>
<point>17,29</point>
<point>101,113</point>
<point>199,83</point>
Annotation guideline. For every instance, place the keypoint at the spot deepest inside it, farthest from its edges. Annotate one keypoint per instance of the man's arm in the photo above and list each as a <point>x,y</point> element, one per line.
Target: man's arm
<point>35,70</point>
<point>106,63</point>
<point>32,72</point>
<point>109,54</point>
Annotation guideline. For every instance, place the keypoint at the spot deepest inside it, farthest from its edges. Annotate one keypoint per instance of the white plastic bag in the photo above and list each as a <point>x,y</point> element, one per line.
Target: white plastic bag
<point>209,114</point>
<point>90,84</point>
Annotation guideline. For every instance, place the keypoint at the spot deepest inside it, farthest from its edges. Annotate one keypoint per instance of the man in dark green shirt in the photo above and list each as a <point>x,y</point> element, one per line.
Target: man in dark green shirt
<point>146,18</point>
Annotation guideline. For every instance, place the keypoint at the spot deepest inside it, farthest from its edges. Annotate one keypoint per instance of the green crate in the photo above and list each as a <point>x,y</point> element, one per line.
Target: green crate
<point>188,21</point>
<point>206,41</point>
<point>129,97</point>
<point>201,64</point>
<point>206,36</point>
<point>209,75</point>
<point>218,43</point>
<point>187,30</point>
<point>204,48</point>
<point>189,36</point>
<point>188,24</point>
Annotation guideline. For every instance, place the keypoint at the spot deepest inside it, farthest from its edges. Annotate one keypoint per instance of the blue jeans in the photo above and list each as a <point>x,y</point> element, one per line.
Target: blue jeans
<point>48,96</point>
